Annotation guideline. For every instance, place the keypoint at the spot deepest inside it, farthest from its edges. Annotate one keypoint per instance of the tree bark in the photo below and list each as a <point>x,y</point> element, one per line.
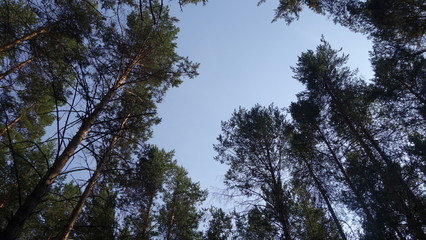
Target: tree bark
<point>92,181</point>
<point>10,125</point>
<point>15,225</point>
<point>16,68</point>
<point>29,36</point>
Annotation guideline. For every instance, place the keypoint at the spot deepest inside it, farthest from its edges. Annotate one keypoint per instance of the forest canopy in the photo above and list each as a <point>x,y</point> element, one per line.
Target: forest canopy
<point>80,83</point>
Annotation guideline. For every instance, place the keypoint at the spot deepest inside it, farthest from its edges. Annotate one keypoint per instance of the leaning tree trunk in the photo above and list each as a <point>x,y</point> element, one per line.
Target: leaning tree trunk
<point>15,225</point>
<point>16,120</point>
<point>389,181</point>
<point>92,181</point>
<point>326,199</point>
<point>30,36</point>
<point>418,205</point>
<point>16,68</point>
<point>352,186</point>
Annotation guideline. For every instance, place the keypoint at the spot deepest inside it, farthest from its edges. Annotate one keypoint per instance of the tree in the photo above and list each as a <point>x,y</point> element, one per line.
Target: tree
<point>398,22</point>
<point>141,185</point>
<point>179,217</point>
<point>253,144</point>
<point>256,144</point>
<point>310,142</point>
<point>98,219</point>
<point>220,225</point>
<point>254,225</point>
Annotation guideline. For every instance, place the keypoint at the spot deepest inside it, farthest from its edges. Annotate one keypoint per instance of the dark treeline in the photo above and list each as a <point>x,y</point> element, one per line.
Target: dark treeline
<point>79,85</point>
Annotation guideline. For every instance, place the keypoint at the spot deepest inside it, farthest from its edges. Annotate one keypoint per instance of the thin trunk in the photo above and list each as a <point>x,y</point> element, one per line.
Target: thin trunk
<point>388,181</point>
<point>418,206</point>
<point>326,199</point>
<point>16,68</point>
<point>281,208</point>
<point>172,218</point>
<point>15,225</point>
<point>278,197</point>
<point>28,36</point>
<point>92,181</point>
<point>285,222</point>
<point>10,125</point>
<point>339,165</point>
<point>145,219</point>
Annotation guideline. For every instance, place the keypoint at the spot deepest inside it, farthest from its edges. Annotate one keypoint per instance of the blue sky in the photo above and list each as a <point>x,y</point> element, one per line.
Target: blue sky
<point>245,59</point>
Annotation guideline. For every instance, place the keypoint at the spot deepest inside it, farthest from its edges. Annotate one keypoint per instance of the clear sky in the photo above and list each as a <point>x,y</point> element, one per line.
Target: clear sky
<point>245,59</point>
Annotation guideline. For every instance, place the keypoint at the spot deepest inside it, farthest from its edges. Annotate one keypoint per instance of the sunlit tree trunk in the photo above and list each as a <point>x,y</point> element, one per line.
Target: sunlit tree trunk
<point>16,68</point>
<point>92,181</point>
<point>27,37</point>
<point>12,230</point>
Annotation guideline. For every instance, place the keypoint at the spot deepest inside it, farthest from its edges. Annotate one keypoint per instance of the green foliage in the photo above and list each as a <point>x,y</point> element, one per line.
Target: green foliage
<point>220,225</point>
<point>179,217</point>
<point>255,225</point>
<point>141,186</point>
<point>98,219</point>
<point>52,216</point>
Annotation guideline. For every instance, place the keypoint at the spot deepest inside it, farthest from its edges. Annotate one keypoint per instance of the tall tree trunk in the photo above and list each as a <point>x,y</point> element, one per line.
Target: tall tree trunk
<point>326,199</point>
<point>282,210</point>
<point>172,218</point>
<point>16,68</point>
<point>92,181</point>
<point>418,206</point>
<point>15,225</point>
<point>278,201</point>
<point>389,181</point>
<point>354,189</point>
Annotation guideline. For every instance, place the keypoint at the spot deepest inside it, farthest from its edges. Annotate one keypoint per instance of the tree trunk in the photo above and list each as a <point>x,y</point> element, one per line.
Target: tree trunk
<point>326,199</point>
<point>15,225</point>
<point>16,68</point>
<point>92,181</point>
<point>10,125</point>
<point>145,219</point>
<point>418,206</point>
<point>31,35</point>
<point>355,191</point>
<point>278,197</point>
<point>171,220</point>
<point>389,181</point>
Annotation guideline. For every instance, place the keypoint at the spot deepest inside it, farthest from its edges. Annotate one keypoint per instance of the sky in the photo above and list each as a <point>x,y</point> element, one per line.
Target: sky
<point>244,59</point>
